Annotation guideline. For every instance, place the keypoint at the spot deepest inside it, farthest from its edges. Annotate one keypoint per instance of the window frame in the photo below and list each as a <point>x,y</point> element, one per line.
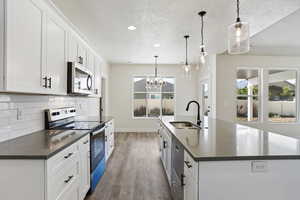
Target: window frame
<point>266,85</point>
<point>161,93</point>
<point>264,94</point>
<point>259,95</point>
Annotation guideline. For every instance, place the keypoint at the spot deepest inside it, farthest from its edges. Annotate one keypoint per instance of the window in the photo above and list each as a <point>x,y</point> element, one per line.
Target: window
<point>247,90</point>
<point>153,102</point>
<point>282,95</point>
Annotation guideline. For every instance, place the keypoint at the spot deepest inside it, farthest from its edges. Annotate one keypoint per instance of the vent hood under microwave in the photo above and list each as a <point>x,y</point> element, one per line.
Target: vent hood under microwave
<point>80,79</point>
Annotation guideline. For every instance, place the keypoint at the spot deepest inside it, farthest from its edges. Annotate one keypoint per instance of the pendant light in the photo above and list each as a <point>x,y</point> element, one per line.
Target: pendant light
<point>155,82</point>
<point>203,53</point>
<point>238,35</point>
<point>186,67</point>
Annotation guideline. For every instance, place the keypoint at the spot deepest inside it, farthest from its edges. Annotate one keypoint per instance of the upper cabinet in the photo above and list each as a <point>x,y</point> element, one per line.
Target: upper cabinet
<point>36,46</point>
<point>56,62</point>
<point>24,41</point>
<point>82,54</point>
<point>97,77</point>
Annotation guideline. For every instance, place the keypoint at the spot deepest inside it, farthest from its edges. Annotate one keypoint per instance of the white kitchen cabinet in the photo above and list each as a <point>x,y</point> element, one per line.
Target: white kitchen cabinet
<point>24,42</point>
<point>56,62</point>
<point>64,176</point>
<point>35,46</point>
<point>90,61</point>
<point>82,53</point>
<point>72,47</point>
<point>190,178</point>
<point>109,139</point>
<point>97,77</point>
<point>84,149</point>
<point>166,150</point>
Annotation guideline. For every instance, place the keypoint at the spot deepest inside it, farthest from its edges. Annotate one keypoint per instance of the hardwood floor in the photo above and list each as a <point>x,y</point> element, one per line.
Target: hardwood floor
<point>134,172</point>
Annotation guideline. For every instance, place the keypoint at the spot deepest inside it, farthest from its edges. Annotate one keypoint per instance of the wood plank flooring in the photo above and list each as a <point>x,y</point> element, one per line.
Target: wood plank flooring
<point>134,172</point>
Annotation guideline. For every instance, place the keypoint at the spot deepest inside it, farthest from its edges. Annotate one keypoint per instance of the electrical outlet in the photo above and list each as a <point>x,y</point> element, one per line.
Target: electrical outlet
<point>259,166</point>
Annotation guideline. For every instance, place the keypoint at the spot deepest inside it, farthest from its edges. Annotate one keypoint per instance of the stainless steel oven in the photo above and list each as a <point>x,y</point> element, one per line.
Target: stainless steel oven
<point>80,79</point>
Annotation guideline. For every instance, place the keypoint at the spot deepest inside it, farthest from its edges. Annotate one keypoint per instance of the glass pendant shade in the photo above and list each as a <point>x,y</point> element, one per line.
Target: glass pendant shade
<point>238,38</point>
<point>203,54</point>
<point>187,70</point>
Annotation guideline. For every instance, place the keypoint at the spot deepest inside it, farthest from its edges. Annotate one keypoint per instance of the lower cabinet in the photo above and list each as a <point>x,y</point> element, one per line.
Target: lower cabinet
<point>64,176</point>
<point>166,150</point>
<point>191,167</point>
<point>84,167</point>
<point>68,172</point>
<point>109,139</point>
<point>190,178</point>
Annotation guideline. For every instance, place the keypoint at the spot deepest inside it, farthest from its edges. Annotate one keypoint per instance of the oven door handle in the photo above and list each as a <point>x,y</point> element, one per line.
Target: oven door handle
<point>97,132</point>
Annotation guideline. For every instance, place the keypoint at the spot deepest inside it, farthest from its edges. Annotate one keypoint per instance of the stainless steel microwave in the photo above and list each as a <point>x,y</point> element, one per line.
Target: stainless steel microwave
<point>80,79</point>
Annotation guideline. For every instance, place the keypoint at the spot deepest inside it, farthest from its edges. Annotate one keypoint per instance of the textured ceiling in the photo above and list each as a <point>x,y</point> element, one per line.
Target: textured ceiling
<point>105,22</point>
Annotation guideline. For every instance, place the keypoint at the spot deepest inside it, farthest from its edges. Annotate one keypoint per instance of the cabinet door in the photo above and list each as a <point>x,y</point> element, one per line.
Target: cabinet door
<point>72,48</point>
<point>71,193</point>
<point>24,33</point>
<point>56,57</point>
<point>168,157</point>
<point>82,53</point>
<point>90,61</point>
<point>107,146</point>
<point>97,78</point>
<point>84,149</point>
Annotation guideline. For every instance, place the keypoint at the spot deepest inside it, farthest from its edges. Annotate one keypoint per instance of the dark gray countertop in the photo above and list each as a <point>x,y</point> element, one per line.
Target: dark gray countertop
<point>223,140</point>
<point>39,145</point>
<point>46,143</point>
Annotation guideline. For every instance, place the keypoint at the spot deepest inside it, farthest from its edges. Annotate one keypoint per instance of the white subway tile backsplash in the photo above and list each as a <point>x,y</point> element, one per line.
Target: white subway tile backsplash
<point>23,114</point>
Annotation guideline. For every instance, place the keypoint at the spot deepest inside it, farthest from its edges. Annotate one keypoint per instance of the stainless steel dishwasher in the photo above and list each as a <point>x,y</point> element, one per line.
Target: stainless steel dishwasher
<point>177,170</point>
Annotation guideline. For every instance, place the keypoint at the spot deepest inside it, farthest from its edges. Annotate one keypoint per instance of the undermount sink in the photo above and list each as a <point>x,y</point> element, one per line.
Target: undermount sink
<point>184,125</point>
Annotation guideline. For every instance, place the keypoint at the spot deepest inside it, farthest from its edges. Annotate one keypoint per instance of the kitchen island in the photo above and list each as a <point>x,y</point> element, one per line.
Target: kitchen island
<point>224,160</point>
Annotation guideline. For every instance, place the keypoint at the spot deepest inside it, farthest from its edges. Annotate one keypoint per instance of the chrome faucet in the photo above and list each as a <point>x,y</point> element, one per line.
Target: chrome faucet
<point>198,115</point>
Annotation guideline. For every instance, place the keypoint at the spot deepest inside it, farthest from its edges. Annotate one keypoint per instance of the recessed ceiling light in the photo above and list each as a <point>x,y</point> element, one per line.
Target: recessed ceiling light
<point>156,45</point>
<point>132,28</point>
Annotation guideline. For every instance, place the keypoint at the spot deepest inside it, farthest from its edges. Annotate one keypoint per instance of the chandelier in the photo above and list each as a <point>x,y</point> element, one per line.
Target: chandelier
<point>155,82</point>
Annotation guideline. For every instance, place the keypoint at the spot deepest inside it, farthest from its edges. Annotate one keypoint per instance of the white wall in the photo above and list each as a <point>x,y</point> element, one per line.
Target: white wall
<point>207,72</point>
<point>23,114</point>
<point>226,86</point>
<point>121,94</point>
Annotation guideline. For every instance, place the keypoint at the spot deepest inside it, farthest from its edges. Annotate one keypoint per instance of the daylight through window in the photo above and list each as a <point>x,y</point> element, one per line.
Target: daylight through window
<point>153,102</point>
<point>282,95</point>
<point>247,84</point>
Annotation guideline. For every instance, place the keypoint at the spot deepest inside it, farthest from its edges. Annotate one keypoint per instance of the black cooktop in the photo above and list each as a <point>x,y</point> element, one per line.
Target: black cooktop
<point>81,125</point>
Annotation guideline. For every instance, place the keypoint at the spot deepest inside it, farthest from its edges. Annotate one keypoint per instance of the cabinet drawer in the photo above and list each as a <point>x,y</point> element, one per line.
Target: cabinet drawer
<point>190,165</point>
<point>65,157</point>
<point>85,142</point>
<point>61,182</point>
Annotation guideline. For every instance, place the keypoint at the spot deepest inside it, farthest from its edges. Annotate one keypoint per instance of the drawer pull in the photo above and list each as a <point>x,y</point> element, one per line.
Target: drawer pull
<point>69,179</point>
<point>68,156</point>
<point>187,163</point>
<point>86,142</point>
